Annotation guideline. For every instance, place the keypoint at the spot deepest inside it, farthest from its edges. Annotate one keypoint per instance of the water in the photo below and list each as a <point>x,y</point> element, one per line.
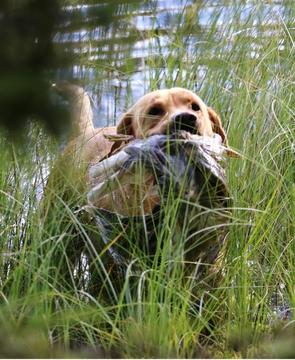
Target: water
<point>117,62</point>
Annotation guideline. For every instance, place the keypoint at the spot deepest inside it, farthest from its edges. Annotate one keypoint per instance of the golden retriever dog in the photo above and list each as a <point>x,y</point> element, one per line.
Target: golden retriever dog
<point>160,112</point>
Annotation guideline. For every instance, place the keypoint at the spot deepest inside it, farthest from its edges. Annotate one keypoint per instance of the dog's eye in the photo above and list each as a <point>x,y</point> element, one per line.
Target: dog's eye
<point>155,111</point>
<point>195,106</point>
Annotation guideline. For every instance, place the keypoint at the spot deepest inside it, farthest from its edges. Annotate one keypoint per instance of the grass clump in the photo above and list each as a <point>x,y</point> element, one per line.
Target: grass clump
<point>152,311</point>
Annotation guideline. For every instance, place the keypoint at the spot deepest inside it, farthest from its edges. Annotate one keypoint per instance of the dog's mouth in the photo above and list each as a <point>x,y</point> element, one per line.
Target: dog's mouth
<point>176,129</point>
<point>179,127</point>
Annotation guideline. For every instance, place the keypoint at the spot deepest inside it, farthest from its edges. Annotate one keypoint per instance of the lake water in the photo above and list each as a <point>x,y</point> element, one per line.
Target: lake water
<point>117,67</point>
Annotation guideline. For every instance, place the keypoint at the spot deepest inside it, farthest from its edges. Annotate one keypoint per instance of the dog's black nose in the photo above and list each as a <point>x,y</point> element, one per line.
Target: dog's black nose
<point>184,121</point>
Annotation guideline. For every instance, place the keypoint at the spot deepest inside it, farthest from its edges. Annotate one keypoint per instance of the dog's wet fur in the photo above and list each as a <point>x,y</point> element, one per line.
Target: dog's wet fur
<point>156,117</point>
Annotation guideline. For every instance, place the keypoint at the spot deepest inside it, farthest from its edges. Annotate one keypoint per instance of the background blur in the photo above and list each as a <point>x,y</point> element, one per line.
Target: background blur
<point>118,50</point>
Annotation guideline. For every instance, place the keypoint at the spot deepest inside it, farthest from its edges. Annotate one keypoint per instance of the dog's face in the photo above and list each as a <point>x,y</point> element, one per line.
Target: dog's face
<point>166,111</point>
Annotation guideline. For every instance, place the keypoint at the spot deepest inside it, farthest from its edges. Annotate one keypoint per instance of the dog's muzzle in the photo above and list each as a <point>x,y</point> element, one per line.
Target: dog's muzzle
<point>183,121</point>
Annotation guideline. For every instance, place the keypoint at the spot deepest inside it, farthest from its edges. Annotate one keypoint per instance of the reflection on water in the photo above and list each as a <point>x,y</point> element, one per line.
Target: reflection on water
<point>125,60</point>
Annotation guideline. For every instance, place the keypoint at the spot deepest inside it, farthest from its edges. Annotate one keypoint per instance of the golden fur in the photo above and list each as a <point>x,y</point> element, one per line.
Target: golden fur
<point>154,113</point>
<point>90,144</point>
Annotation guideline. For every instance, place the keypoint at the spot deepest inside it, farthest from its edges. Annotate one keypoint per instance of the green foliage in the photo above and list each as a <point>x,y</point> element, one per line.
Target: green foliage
<point>152,311</point>
<point>30,58</point>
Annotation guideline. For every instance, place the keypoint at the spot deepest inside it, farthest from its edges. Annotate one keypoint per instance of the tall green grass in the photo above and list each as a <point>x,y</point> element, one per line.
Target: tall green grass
<point>46,307</point>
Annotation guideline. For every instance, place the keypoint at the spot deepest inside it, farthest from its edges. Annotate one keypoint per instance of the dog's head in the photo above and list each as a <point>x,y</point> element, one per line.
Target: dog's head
<point>166,111</point>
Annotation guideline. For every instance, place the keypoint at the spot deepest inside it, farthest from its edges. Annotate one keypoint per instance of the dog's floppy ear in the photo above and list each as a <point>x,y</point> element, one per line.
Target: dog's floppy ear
<point>216,125</point>
<point>125,125</point>
<point>218,129</point>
